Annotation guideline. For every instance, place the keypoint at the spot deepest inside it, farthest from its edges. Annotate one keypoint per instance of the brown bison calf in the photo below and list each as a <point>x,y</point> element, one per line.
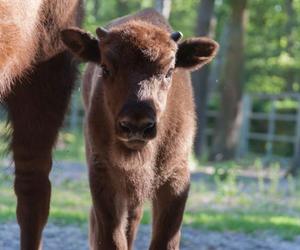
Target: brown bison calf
<point>139,127</point>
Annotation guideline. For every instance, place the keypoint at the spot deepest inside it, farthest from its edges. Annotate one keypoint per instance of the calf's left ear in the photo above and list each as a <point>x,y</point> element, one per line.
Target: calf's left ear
<point>82,44</point>
<point>193,53</point>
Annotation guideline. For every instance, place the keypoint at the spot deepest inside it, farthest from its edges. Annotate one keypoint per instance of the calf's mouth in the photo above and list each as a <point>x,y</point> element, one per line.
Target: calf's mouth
<point>134,143</point>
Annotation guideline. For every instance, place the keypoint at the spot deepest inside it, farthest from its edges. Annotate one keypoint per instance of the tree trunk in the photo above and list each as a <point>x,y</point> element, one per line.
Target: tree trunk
<point>122,7</point>
<point>290,25</point>
<point>97,6</point>
<point>230,116</point>
<point>216,66</point>
<point>163,7</point>
<point>200,78</point>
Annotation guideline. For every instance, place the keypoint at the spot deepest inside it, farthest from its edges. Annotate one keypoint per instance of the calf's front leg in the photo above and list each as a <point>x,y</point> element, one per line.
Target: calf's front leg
<point>108,214</point>
<point>133,221</point>
<point>168,209</point>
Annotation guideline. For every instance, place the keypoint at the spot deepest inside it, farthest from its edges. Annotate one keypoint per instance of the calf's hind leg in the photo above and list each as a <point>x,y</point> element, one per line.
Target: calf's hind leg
<point>168,209</point>
<point>36,107</point>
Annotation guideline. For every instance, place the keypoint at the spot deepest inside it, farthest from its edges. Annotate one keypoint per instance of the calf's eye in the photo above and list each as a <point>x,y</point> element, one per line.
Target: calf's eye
<point>105,71</point>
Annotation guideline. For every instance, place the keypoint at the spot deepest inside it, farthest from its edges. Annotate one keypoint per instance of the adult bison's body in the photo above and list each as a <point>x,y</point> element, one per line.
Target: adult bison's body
<point>36,79</point>
<point>139,125</point>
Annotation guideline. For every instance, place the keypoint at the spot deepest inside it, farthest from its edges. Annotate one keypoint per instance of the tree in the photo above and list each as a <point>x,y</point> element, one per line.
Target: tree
<point>97,6</point>
<point>163,7</point>
<point>290,25</point>
<point>200,78</point>
<point>272,64</point>
<point>122,7</point>
<point>229,119</point>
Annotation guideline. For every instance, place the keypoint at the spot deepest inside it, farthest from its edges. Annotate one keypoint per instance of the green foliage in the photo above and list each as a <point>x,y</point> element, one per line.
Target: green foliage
<point>266,84</point>
<point>272,51</point>
<point>184,16</point>
<point>109,10</point>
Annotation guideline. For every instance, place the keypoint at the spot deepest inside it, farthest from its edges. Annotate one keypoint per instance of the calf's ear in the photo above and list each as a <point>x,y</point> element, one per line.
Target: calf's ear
<point>193,53</point>
<point>82,44</point>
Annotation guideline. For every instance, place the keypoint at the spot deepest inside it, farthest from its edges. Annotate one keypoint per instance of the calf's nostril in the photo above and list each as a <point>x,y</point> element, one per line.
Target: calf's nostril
<point>125,126</point>
<point>149,127</point>
<point>136,129</point>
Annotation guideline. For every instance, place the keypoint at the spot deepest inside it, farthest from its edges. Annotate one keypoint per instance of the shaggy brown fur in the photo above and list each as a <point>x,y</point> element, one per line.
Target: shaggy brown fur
<point>29,34</point>
<point>36,79</point>
<point>139,127</point>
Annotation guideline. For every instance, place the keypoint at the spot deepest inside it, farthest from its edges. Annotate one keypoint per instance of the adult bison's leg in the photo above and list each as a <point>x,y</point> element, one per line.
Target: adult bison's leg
<point>36,108</point>
<point>168,208</point>
<point>133,221</point>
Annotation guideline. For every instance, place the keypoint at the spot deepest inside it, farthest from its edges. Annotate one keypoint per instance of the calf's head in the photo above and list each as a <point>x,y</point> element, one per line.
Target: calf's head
<point>137,61</point>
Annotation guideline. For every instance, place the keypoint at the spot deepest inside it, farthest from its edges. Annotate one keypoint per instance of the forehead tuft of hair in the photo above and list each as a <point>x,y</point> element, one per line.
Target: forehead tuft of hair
<point>152,42</point>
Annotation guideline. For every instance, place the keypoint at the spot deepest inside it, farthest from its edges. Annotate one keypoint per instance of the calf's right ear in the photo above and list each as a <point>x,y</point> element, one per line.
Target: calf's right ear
<point>82,44</point>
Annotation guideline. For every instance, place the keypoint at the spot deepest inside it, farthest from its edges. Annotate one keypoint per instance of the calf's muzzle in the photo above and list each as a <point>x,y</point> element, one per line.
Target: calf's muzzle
<point>136,122</point>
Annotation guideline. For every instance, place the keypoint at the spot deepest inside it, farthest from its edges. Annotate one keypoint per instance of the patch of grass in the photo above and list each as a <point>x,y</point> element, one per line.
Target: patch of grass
<point>7,201</point>
<point>216,202</point>
<point>70,146</point>
<point>245,221</point>
<point>4,131</point>
<point>70,203</point>
<point>227,200</point>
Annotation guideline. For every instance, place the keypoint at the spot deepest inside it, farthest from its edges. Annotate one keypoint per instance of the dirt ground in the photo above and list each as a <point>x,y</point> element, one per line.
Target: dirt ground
<point>75,238</point>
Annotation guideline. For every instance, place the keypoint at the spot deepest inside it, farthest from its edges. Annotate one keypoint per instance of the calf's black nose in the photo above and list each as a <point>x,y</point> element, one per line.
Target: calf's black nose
<point>143,128</point>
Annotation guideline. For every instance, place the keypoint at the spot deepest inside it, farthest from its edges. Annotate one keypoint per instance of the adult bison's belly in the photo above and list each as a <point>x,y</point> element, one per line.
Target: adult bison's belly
<point>29,34</point>
<point>18,25</point>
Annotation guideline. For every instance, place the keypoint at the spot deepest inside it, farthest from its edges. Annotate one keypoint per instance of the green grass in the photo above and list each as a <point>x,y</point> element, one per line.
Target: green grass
<point>230,201</point>
<point>70,202</point>
<point>70,146</point>
<point>245,221</point>
<point>3,138</point>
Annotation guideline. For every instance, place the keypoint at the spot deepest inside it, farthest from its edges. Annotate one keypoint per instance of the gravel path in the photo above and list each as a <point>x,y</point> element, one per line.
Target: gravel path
<point>75,238</point>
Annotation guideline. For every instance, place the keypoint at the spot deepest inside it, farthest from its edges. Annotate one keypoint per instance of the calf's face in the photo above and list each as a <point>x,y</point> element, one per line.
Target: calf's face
<point>137,61</point>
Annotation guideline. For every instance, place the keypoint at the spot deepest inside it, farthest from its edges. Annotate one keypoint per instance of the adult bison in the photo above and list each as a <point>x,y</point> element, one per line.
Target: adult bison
<point>140,123</point>
<point>36,79</point>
